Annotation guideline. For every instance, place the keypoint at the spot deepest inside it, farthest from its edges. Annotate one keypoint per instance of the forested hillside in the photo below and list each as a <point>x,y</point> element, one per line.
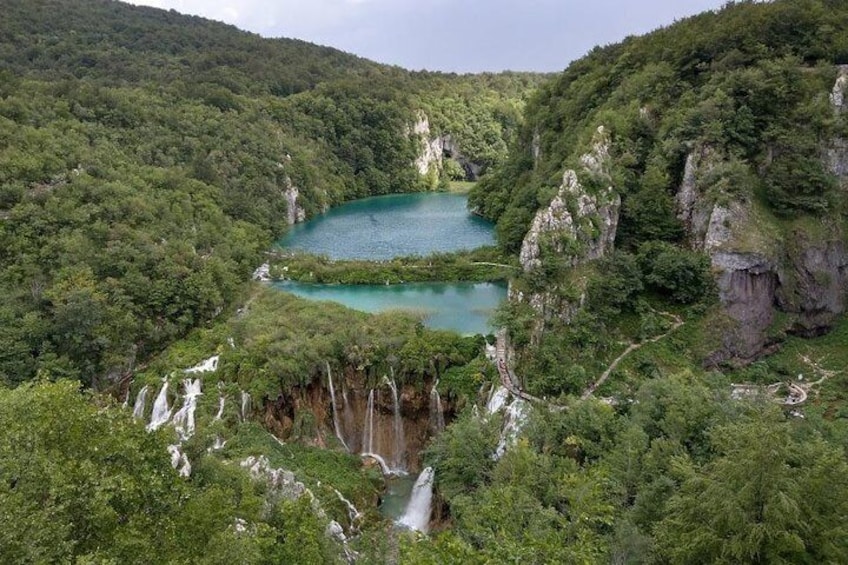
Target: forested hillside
<point>670,384</point>
<point>707,156</point>
<point>147,159</point>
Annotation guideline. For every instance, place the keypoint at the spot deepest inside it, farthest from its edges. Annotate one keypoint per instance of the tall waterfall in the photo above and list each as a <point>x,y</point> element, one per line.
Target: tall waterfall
<point>161,411</point>
<point>397,427</point>
<point>418,510</point>
<point>184,418</point>
<point>437,414</point>
<point>245,405</point>
<point>368,428</point>
<point>140,403</point>
<point>334,409</point>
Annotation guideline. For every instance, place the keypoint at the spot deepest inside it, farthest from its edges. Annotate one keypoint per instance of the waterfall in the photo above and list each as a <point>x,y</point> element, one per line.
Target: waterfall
<point>184,418</point>
<point>516,416</point>
<point>437,414</point>
<point>333,407</point>
<point>352,513</point>
<point>384,467</point>
<point>178,457</point>
<point>417,513</point>
<point>498,400</point>
<point>161,412</point>
<point>368,428</point>
<point>245,405</point>
<point>140,403</point>
<point>220,409</point>
<point>397,427</point>
<point>207,366</point>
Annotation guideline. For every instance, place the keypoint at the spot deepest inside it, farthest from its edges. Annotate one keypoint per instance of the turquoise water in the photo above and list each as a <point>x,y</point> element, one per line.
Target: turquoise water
<point>462,307</point>
<point>384,227</point>
<point>396,497</point>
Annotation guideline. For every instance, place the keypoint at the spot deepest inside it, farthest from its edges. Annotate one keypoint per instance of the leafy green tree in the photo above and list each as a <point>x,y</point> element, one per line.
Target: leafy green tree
<point>766,498</point>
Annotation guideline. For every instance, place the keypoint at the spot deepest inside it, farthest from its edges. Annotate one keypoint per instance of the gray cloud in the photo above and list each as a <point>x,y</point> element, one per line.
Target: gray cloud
<point>458,35</point>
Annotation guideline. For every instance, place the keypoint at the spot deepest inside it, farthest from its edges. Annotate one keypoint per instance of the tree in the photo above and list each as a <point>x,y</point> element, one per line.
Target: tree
<point>766,498</point>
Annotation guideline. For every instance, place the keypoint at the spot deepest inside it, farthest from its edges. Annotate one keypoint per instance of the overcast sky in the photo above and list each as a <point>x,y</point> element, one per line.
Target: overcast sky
<point>450,35</point>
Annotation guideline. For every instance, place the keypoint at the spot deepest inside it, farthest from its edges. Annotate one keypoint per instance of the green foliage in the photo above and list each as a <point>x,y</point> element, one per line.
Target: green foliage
<point>479,265</point>
<point>145,156</point>
<point>462,455</point>
<point>738,81</point>
<point>82,482</point>
<point>683,276</point>
<point>766,497</point>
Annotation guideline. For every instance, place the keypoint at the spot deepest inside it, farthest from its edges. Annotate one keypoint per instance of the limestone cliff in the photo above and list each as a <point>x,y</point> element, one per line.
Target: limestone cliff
<point>434,149</point>
<point>294,211</point>
<point>577,226</point>
<point>394,422</point>
<point>763,266</point>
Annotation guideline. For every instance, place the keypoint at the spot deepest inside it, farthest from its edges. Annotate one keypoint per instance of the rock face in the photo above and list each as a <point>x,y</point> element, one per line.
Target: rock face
<point>758,268</point>
<point>578,225</point>
<point>435,149</point>
<point>294,211</point>
<point>432,148</point>
<point>367,417</point>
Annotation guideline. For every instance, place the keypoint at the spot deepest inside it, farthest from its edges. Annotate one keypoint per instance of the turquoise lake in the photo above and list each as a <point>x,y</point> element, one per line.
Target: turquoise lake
<point>384,227</point>
<point>461,307</point>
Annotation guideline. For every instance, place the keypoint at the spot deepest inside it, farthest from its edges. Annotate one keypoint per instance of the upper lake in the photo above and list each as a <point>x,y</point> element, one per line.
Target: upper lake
<point>383,227</point>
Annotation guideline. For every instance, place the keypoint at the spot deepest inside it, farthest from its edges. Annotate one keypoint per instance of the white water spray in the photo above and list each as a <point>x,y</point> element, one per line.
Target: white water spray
<point>437,414</point>
<point>161,411</point>
<point>417,513</point>
<point>397,426</point>
<point>140,403</point>
<point>334,408</point>
<point>184,418</point>
<point>516,417</point>
<point>368,428</point>
<point>245,405</point>
<point>498,400</point>
<point>220,409</point>
<point>207,366</point>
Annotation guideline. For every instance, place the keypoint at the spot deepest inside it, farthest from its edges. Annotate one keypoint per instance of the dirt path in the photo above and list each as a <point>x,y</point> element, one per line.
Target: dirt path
<point>590,390</point>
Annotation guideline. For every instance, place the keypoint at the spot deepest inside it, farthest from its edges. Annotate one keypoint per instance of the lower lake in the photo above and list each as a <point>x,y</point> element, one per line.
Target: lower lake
<point>465,308</point>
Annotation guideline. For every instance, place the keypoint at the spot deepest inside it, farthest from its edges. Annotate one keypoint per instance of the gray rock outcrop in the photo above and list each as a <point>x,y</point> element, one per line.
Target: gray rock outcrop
<point>294,211</point>
<point>759,269</point>
<point>576,223</point>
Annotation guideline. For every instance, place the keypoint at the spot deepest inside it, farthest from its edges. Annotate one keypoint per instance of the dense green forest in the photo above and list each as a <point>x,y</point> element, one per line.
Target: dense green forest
<point>146,166</point>
<point>144,158</point>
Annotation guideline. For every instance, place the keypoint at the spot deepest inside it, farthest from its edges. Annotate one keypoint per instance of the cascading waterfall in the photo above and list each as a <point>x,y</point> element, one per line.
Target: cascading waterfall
<point>437,414</point>
<point>245,405</point>
<point>368,428</point>
<point>516,417</point>
<point>498,400</point>
<point>334,409</point>
<point>184,418</point>
<point>220,409</point>
<point>352,513</point>
<point>140,403</point>
<point>206,366</point>
<point>161,411</point>
<point>417,513</point>
<point>397,426</point>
